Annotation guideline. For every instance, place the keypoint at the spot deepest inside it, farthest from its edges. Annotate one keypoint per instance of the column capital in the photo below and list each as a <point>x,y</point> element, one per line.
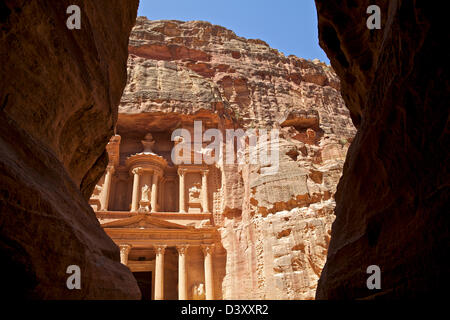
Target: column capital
<point>110,168</point>
<point>137,170</point>
<point>182,248</point>
<point>125,247</point>
<point>182,171</point>
<point>204,172</point>
<point>207,248</point>
<point>124,251</point>
<point>160,248</point>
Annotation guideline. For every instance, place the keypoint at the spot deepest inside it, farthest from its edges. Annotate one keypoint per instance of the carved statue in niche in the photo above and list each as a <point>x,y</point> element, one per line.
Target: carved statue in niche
<point>148,143</point>
<point>195,205</point>
<point>198,291</point>
<point>144,203</point>
<point>145,192</point>
<point>194,193</point>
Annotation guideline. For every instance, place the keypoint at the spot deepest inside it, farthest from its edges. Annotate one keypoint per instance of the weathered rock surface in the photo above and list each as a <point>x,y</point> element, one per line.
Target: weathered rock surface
<point>59,91</point>
<point>393,198</point>
<point>275,228</point>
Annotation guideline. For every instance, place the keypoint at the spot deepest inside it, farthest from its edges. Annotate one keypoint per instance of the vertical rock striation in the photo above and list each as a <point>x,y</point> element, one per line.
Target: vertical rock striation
<point>393,198</point>
<point>59,91</point>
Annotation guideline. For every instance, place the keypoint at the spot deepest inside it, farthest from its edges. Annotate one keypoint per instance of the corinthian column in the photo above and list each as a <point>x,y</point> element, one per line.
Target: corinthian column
<point>181,173</point>
<point>159,272</point>
<point>124,250</point>
<point>106,188</point>
<point>182,276</point>
<point>209,284</point>
<point>205,191</point>
<point>154,191</point>
<point>135,197</point>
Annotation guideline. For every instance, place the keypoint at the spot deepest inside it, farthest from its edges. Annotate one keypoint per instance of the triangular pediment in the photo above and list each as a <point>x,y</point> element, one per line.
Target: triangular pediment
<point>144,221</point>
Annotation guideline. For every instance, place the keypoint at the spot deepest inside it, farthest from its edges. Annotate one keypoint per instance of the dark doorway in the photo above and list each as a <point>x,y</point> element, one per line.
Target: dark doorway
<point>144,280</point>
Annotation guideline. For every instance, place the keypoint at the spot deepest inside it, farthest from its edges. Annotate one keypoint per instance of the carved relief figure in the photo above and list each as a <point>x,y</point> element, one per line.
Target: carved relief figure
<point>198,291</point>
<point>194,193</point>
<point>144,203</point>
<point>145,193</point>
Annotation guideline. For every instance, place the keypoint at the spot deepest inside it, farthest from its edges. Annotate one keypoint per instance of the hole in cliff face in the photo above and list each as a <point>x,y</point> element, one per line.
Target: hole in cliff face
<point>301,122</point>
<point>307,127</point>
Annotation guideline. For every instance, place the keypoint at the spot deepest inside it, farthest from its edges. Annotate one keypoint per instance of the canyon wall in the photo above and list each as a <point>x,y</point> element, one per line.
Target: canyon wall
<point>59,91</point>
<point>275,225</point>
<point>393,198</point>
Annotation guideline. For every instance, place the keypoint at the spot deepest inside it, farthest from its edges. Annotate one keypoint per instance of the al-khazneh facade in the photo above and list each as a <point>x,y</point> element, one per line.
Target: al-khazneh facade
<point>159,215</point>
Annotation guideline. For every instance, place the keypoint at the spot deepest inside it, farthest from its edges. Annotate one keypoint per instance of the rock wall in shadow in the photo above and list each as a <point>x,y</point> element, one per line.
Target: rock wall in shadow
<point>393,197</point>
<point>59,92</point>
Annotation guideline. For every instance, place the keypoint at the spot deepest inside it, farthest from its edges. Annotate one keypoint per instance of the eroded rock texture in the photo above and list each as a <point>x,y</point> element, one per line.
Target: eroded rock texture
<point>275,227</point>
<point>393,198</point>
<point>59,91</point>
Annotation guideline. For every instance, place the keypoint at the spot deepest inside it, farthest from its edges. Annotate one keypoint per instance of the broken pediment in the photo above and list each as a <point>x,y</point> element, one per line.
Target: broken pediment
<point>143,221</point>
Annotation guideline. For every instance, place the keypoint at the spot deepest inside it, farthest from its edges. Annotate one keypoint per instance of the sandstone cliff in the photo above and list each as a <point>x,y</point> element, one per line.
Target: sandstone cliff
<point>393,198</point>
<point>59,91</point>
<point>275,228</point>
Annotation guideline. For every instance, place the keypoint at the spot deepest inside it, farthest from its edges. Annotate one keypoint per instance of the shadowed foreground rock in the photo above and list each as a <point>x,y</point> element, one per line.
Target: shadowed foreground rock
<point>59,91</point>
<point>392,201</point>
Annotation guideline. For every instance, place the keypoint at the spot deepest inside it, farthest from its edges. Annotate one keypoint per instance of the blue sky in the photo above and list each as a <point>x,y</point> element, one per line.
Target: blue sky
<point>287,25</point>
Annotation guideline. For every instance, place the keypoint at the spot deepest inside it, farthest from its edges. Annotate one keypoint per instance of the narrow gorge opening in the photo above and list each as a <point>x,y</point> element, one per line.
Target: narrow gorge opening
<point>154,213</point>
